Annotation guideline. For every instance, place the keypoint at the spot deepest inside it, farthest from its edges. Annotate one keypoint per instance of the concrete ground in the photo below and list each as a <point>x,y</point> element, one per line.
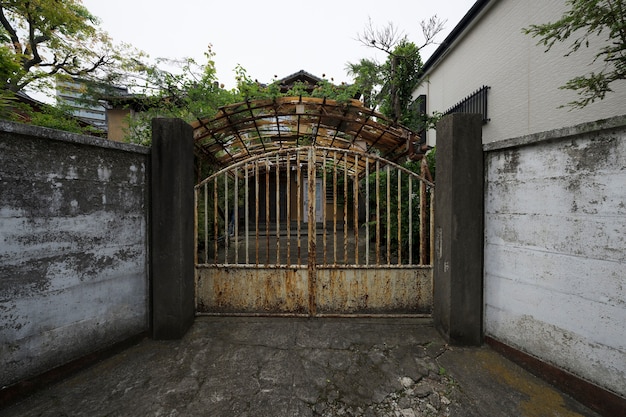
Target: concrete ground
<point>243,366</point>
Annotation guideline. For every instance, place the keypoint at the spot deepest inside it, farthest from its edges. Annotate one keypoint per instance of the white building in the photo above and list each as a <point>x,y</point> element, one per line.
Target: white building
<point>488,48</point>
<point>555,190</point>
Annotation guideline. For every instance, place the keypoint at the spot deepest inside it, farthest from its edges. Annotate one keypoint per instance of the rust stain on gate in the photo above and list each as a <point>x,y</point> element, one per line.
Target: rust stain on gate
<point>307,217</point>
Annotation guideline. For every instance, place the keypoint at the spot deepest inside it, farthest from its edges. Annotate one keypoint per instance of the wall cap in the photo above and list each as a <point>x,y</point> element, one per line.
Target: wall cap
<point>60,135</point>
<point>616,122</point>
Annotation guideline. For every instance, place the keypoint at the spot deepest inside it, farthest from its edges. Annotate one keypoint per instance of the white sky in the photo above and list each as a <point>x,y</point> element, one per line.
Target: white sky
<point>270,37</point>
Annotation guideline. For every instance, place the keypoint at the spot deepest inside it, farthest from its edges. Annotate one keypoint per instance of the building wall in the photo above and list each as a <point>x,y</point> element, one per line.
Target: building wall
<point>73,247</point>
<point>117,123</point>
<point>524,97</point>
<point>555,249</point>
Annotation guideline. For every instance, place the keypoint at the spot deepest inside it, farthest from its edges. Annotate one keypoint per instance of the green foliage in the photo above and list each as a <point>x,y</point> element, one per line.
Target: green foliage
<point>379,182</point>
<point>389,87</point>
<point>53,117</point>
<point>590,22</point>
<point>43,38</point>
<point>190,93</point>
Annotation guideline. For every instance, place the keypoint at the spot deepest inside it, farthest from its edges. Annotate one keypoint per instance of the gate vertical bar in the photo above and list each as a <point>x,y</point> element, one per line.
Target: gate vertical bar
<point>410,220</point>
<point>256,211</point>
<point>226,218</point>
<point>432,228</point>
<point>267,212</point>
<point>288,168</point>
<point>236,211</point>
<point>355,193</point>
<point>334,208</point>
<point>299,204</point>
<point>423,242</point>
<point>247,212</point>
<point>277,209</point>
<point>377,212</point>
<point>206,222</point>
<point>345,207</point>
<point>399,217</point>
<point>388,170</point>
<point>324,185</point>
<point>196,200</point>
<point>215,222</point>
<point>311,247</point>
<point>367,211</point>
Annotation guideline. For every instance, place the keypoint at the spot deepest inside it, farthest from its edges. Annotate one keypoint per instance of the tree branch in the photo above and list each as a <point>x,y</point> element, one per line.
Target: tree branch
<point>431,28</point>
<point>15,40</point>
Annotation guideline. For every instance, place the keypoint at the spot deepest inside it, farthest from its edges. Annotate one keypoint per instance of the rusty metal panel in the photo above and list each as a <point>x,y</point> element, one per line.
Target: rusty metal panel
<point>374,291</point>
<point>252,290</point>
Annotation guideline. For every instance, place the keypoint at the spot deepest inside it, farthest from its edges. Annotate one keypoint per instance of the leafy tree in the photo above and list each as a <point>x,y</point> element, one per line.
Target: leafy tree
<point>588,22</point>
<point>389,87</point>
<point>41,39</point>
<point>368,78</point>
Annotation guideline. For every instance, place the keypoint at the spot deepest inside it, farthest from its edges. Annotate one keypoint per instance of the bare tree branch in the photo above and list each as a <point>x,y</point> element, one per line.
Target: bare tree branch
<point>431,28</point>
<point>384,39</point>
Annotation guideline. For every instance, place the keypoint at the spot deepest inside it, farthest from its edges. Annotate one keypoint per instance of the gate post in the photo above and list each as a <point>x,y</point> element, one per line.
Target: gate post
<point>172,228</point>
<point>458,273</point>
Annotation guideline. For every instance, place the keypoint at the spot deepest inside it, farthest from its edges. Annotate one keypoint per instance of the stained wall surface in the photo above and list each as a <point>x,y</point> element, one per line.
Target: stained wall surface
<point>73,247</point>
<point>555,248</point>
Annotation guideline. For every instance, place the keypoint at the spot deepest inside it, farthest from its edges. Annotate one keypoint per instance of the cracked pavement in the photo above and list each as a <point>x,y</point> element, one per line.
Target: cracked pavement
<point>252,366</point>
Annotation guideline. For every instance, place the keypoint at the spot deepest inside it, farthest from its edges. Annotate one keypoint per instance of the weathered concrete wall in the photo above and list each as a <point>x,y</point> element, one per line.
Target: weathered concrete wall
<point>555,248</point>
<point>73,247</point>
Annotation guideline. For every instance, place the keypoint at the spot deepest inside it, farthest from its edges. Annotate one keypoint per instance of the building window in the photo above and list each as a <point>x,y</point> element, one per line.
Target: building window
<point>475,103</point>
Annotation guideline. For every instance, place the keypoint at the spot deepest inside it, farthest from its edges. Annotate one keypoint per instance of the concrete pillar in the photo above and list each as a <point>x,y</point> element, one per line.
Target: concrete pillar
<point>172,218</point>
<point>458,275</point>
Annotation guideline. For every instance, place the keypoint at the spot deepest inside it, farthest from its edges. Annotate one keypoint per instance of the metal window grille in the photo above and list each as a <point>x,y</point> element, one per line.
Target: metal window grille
<point>475,103</point>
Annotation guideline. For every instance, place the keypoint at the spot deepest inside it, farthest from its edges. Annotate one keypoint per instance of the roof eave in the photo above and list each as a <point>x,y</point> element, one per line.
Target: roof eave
<point>456,33</point>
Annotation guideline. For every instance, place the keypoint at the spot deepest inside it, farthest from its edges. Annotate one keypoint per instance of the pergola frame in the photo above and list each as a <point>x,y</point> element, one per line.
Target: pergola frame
<point>248,129</point>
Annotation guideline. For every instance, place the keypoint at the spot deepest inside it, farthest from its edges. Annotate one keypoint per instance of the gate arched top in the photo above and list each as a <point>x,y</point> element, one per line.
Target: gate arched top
<point>356,166</point>
<point>244,130</point>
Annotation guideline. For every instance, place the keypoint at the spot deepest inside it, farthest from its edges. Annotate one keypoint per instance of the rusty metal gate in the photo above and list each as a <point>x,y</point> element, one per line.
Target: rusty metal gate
<point>314,231</point>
